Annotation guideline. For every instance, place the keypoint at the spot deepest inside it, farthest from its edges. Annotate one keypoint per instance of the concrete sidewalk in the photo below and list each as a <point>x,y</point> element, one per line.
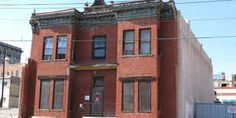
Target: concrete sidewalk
<point>9,112</point>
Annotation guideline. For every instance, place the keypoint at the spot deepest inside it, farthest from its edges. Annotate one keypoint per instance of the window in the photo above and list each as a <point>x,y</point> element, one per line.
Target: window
<point>5,83</point>
<point>17,73</point>
<point>99,47</point>
<point>12,73</point>
<point>144,96</point>
<point>224,85</point>
<point>98,81</point>
<point>145,41</point>
<point>44,94</point>
<point>61,47</point>
<point>128,43</point>
<point>58,94</point>
<point>47,48</point>
<point>128,97</point>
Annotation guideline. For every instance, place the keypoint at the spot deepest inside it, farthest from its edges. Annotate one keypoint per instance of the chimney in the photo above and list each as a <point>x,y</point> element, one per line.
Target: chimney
<point>98,2</point>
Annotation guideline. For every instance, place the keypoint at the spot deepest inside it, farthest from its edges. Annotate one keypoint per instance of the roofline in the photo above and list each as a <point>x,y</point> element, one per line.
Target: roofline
<point>71,10</point>
<point>11,46</point>
<point>56,12</point>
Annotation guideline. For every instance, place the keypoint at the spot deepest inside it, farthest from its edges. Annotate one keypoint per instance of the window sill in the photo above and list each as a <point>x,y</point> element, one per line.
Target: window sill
<point>57,110</point>
<point>145,55</point>
<point>144,111</point>
<point>128,56</point>
<point>58,60</point>
<point>127,111</point>
<point>139,55</point>
<point>98,58</point>
<point>44,110</point>
<point>46,60</point>
<point>50,110</point>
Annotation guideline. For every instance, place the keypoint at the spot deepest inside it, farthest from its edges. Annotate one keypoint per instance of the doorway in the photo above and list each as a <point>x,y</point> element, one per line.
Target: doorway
<point>97,96</point>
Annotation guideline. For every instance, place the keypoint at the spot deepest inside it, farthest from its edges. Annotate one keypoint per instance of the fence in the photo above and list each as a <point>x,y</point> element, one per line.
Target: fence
<point>213,110</point>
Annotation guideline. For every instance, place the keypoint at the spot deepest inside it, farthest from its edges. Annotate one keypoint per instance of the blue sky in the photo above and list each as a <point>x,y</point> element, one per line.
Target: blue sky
<point>222,51</point>
<point>14,25</point>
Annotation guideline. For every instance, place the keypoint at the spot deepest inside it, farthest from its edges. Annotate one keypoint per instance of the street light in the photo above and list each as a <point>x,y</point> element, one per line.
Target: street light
<point>4,59</point>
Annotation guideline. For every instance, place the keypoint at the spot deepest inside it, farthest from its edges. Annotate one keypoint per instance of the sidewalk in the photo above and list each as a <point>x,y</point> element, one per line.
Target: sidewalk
<point>9,112</point>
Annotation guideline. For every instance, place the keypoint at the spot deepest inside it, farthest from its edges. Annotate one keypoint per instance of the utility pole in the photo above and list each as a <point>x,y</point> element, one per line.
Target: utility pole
<point>3,76</point>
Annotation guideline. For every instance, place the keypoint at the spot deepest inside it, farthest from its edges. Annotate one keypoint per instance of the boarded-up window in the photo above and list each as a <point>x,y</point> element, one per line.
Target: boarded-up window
<point>44,94</point>
<point>145,41</point>
<point>128,43</point>
<point>144,96</point>
<point>58,94</point>
<point>128,97</point>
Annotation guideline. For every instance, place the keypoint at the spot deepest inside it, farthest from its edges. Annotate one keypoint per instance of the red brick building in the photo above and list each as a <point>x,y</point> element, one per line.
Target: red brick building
<point>106,61</point>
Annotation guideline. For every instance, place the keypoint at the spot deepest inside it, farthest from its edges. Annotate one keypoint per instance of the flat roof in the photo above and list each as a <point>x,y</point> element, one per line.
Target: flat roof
<point>10,46</point>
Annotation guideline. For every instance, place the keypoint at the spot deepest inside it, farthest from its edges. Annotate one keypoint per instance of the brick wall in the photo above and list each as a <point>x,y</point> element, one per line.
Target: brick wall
<point>51,68</point>
<point>27,89</point>
<point>167,81</point>
<point>138,65</point>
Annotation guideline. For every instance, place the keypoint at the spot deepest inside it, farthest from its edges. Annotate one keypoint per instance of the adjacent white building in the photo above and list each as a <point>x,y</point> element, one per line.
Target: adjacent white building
<point>195,72</point>
<point>226,94</point>
<point>11,84</point>
<point>225,90</point>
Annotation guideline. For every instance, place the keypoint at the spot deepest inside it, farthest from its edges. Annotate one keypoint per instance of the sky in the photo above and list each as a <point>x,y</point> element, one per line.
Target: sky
<point>14,25</point>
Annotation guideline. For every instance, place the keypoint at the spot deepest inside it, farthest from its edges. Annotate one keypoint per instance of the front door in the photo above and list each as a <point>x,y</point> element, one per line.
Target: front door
<point>97,97</point>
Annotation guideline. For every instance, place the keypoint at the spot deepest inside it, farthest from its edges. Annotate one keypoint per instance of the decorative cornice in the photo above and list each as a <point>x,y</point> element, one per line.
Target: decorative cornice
<point>168,11</point>
<point>99,15</point>
<point>57,18</point>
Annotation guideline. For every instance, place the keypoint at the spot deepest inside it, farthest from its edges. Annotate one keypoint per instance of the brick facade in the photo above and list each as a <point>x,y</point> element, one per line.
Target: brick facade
<point>79,70</point>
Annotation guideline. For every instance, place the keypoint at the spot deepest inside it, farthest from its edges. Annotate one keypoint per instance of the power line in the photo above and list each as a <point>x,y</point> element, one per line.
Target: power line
<point>42,4</point>
<point>214,19</point>
<point>2,6</point>
<point>207,1</point>
<point>24,8</point>
<point>197,19</point>
<point>55,4</point>
<point>80,3</point>
<point>203,37</point>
